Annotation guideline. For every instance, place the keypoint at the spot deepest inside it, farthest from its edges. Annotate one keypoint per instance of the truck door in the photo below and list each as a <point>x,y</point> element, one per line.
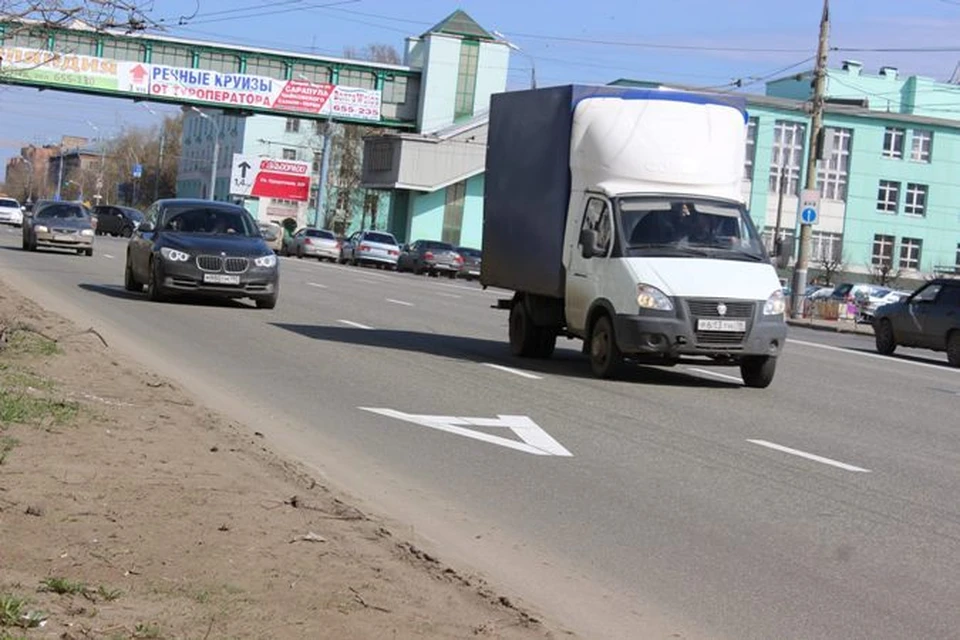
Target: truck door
<point>585,275</point>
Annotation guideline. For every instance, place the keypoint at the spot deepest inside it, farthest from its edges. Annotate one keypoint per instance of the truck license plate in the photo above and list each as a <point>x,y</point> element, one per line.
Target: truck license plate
<point>722,325</point>
<point>220,278</point>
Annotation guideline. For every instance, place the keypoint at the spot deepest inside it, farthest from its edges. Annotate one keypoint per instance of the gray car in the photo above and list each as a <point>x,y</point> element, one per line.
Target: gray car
<point>431,257</point>
<point>314,243</point>
<point>59,225</point>
<point>928,319</point>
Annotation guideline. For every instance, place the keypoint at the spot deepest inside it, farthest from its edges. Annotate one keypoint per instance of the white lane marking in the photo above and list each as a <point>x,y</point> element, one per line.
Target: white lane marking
<point>722,376</point>
<point>355,325</point>
<point>448,295</point>
<point>516,372</point>
<point>400,302</point>
<point>877,356</point>
<point>317,285</point>
<point>107,256</point>
<point>808,456</point>
<point>535,440</point>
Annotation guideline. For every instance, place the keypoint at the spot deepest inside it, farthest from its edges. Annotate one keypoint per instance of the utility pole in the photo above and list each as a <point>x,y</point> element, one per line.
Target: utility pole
<point>799,284</point>
<point>781,187</point>
<point>156,183</point>
<point>324,173</point>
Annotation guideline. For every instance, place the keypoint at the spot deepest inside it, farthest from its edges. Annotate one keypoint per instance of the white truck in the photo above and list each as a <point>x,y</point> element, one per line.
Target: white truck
<point>616,216</point>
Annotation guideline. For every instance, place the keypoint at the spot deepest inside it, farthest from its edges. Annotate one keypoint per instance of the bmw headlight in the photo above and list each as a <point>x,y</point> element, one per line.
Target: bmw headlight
<point>652,298</point>
<point>173,255</point>
<point>267,261</point>
<point>776,304</point>
<point>41,228</point>
<point>86,232</point>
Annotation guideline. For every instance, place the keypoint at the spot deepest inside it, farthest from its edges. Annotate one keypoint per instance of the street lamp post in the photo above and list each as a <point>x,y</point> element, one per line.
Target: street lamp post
<point>163,139</point>
<point>103,150</point>
<point>533,62</point>
<point>216,151</point>
<point>29,179</point>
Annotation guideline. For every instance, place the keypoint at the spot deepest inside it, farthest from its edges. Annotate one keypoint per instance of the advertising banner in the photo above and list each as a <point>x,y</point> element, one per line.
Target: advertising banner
<point>255,177</point>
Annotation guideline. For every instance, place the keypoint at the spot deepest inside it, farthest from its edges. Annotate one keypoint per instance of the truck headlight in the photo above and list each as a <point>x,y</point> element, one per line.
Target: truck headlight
<point>41,228</point>
<point>173,255</point>
<point>776,304</point>
<point>86,232</point>
<point>266,261</point>
<point>652,298</point>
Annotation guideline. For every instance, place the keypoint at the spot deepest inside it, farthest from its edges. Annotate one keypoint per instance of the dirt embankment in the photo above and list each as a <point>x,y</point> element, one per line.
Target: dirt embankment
<point>127,511</point>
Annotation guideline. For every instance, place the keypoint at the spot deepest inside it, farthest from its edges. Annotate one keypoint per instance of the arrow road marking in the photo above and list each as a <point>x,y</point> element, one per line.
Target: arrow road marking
<point>536,441</point>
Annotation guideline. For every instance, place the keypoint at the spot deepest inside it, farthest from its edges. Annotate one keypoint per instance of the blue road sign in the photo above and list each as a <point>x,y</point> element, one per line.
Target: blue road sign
<point>137,170</point>
<point>808,215</point>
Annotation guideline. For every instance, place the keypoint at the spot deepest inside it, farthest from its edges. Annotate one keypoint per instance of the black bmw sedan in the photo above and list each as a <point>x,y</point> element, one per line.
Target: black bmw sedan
<point>201,247</point>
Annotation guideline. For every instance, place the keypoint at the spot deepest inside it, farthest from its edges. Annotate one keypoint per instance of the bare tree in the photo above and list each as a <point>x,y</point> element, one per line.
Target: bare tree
<point>831,264</point>
<point>346,194</point>
<point>130,15</point>
<point>884,273</point>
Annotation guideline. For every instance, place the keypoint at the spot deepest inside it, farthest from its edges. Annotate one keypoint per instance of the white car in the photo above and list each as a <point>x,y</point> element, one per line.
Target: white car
<point>11,212</point>
<point>377,248</point>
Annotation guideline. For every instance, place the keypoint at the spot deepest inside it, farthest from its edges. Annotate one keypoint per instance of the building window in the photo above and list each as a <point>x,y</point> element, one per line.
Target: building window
<point>888,196</point>
<point>893,142</point>
<point>882,250</point>
<point>751,149</point>
<point>466,79</point>
<point>395,90</point>
<point>293,125</point>
<point>825,247</point>
<point>289,154</point>
<point>453,213</point>
<point>832,175</point>
<point>357,78</point>
<point>788,140</point>
<point>380,157</point>
<point>921,146</point>
<point>916,203</point>
<point>910,253</point>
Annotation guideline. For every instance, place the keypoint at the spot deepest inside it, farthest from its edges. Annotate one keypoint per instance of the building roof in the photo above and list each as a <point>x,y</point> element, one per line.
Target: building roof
<point>459,23</point>
<point>803,106</point>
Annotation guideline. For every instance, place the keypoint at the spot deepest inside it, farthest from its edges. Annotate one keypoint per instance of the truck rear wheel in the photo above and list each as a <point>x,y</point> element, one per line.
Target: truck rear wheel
<point>606,359</point>
<point>757,371</point>
<point>528,340</point>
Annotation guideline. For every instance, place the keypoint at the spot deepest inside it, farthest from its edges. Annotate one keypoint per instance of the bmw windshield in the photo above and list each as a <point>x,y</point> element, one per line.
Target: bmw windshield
<point>682,227</point>
<point>210,220</point>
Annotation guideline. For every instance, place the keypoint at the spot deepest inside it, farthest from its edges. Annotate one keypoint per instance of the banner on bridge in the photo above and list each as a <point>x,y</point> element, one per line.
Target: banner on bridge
<point>237,90</point>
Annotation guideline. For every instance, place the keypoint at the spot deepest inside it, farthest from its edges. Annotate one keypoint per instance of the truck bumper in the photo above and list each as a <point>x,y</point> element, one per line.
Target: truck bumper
<point>672,338</point>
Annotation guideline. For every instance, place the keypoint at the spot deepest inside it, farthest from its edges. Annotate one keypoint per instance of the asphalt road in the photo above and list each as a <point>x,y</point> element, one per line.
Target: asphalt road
<point>675,501</point>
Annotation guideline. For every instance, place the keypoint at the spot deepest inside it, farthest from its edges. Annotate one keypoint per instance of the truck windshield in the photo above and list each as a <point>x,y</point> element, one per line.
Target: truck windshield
<point>685,227</point>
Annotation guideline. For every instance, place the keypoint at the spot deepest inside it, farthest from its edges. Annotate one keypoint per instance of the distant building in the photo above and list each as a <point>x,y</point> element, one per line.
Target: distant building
<point>30,173</point>
<point>73,170</point>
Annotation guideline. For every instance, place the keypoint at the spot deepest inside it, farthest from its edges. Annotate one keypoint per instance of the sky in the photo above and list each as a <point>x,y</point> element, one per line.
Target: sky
<point>708,43</point>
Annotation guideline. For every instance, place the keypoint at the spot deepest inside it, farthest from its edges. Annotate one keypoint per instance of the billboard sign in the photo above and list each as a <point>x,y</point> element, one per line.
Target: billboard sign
<point>255,177</point>
<point>199,86</point>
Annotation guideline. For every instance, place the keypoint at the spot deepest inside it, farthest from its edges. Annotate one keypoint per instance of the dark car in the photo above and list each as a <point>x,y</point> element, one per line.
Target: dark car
<point>431,257</point>
<point>201,247</point>
<point>117,221</point>
<point>928,319</point>
<point>60,225</point>
<point>472,260</point>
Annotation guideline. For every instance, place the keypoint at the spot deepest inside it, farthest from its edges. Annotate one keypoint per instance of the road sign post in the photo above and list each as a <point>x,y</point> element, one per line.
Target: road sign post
<point>808,210</point>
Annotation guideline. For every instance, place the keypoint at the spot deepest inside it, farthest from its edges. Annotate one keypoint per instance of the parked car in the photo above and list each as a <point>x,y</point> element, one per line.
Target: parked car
<point>272,234</point>
<point>116,221</point>
<point>472,259</point>
<point>60,225</point>
<point>202,247</point>
<point>11,212</point>
<point>317,243</point>
<point>370,247</point>
<point>431,257</point>
<point>927,319</point>
<point>876,299</point>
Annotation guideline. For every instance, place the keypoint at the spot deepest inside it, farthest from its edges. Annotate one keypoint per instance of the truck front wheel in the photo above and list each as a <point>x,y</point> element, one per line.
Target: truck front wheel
<point>757,371</point>
<point>522,331</point>
<point>606,359</point>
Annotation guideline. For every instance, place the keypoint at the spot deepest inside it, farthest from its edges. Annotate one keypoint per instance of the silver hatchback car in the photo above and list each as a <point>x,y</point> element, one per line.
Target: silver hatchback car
<point>59,225</point>
<point>371,247</point>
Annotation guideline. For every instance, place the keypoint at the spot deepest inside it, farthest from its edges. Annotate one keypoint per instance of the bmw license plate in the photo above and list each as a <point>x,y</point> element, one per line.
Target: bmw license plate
<point>732,326</point>
<point>220,278</point>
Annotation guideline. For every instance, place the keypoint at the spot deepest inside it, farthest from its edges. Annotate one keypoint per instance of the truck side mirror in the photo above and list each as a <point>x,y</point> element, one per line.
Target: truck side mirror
<point>588,243</point>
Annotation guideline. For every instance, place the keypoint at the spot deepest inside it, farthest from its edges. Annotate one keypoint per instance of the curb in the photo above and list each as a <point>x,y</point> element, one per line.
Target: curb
<point>806,324</point>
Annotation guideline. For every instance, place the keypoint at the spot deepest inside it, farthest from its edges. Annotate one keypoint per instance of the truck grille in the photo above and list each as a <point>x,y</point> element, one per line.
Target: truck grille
<point>708,309</point>
<point>734,310</point>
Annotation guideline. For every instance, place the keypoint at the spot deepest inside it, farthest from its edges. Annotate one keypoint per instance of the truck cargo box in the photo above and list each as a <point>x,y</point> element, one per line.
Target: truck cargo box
<point>528,181</point>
